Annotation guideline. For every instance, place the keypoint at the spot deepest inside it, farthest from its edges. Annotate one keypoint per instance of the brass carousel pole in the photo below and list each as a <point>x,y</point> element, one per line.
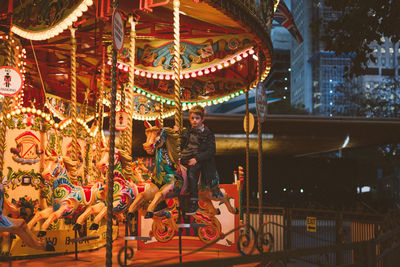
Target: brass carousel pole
<point>110,180</point>
<point>247,164</point>
<point>100,105</point>
<point>177,67</point>
<point>128,135</point>
<point>132,48</point>
<point>161,114</point>
<point>10,61</point>
<point>88,153</point>
<point>74,124</point>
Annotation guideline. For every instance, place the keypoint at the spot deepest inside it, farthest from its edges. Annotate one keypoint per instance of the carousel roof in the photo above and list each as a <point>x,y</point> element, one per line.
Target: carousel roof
<point>224,45</point>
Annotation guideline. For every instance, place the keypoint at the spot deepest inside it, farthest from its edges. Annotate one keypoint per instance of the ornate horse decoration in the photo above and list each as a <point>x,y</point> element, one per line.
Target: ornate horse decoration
<point>66,198</point>
<point>18,226</point>
<point>170,177</point>
<point>125,194</point>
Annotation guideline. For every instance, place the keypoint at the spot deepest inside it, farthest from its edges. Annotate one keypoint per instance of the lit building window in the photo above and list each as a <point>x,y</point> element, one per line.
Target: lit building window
<point>383,51</point>
<point>391,50</point>
<point>382,39</point>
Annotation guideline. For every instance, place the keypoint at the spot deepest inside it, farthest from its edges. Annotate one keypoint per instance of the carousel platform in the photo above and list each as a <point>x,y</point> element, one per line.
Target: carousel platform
<point>167,253</point>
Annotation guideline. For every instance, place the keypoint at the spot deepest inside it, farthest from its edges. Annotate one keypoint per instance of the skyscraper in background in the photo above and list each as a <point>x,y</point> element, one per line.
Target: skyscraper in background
<point>278,80</point>
<point>301,80</point>
<point>316,73</point>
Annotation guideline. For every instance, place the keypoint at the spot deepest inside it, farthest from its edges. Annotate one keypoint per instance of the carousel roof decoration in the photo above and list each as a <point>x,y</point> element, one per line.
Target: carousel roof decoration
<point>43,20</point>
<point>61,125</point>
<point>224,46</point>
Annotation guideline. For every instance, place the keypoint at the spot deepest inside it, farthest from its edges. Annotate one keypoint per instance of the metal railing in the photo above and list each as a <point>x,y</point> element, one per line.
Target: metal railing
<point>375,248</point>
<point>288,227</point>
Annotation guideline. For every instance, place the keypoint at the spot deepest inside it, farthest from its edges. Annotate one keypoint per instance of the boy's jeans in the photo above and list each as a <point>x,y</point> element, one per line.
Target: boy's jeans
<point>192,172</point>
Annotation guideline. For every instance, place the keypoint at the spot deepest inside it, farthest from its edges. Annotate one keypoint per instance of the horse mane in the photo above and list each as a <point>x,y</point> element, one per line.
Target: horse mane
<point>125,158</point>
<point>70,165</point>
<point>171,142</point>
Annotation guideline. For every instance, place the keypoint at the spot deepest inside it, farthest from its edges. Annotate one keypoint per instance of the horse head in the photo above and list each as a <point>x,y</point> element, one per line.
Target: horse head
<point>102,163</point>
<point>153,137</point>
<point>54,166</point>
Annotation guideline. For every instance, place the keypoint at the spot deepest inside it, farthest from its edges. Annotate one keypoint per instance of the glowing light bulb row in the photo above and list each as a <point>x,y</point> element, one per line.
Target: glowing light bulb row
<point>54,111</point>
<point>38,112</point>
<point>187,74</point>
<point>188,104</point>
<point>68,121</point>
<point>56,29</point>
<point>48,118</point>
<point>153,118</point>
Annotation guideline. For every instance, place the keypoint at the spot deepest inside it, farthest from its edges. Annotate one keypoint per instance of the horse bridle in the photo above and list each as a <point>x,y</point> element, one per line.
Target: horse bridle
<point>58,167</point>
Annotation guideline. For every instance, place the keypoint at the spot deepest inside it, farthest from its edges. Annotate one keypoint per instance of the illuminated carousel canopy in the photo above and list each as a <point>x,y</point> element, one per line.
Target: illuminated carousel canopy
<point>225,49</point>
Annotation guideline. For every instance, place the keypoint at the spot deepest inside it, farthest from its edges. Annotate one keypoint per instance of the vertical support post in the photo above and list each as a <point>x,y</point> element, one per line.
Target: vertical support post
<point>288,215</point>
<point>339,238</point>
<point>76,244</point>
<point>126,241</point>
<point>260,181</point>
<point>7,100</point>
<point>260,171</point>
<point>74,124</point>
<point>177,66</point>
<point>180,230</point>
<point>110,180</point>
<point>130,108</point>
<point>100,104</point>
<point>247,164</point>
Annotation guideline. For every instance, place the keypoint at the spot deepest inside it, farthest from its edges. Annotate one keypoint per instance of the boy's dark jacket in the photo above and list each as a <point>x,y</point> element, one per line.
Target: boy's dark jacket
<point>206,155</point>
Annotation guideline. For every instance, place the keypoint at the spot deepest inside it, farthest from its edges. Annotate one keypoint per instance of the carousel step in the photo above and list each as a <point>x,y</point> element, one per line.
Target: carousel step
<point>190,225</point>
<point>137,238</point>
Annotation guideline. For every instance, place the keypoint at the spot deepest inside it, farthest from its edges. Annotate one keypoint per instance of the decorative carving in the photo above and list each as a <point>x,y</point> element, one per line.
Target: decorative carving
<point>14,179</point>
<point>27,150</point>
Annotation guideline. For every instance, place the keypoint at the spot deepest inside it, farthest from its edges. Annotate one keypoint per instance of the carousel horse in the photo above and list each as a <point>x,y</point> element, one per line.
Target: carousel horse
<point>125,194</point>
<point>67,199</point>
<point>170,175</point>
<point>18,226</point>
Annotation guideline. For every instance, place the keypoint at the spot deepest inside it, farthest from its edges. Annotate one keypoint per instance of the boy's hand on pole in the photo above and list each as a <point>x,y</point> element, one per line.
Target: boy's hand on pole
<point>192,162</point>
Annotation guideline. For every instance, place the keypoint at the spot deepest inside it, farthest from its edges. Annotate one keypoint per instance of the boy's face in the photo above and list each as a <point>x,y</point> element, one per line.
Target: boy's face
<point>195,120</point>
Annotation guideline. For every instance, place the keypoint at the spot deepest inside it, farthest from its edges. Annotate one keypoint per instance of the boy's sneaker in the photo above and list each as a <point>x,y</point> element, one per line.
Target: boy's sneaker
<point>161,206</point>
<point>194,206</point>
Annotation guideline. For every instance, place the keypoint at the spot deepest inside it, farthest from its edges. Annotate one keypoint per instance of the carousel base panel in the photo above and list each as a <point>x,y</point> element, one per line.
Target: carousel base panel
<point>62,241</point>
<point>167,253</point>
<point>187,242</point>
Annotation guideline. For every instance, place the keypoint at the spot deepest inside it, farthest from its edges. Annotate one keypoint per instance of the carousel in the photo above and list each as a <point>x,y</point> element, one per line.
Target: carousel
<point>75,75</point>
